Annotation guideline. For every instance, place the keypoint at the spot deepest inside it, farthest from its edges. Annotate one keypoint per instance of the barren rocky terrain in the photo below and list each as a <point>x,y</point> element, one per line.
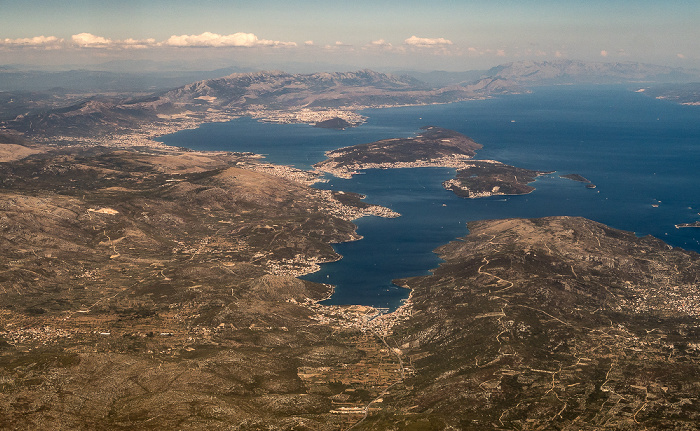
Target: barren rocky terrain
<point>556,323</point>
<point>145,290</point>
<point>146,287</point>
<point>153,289</point>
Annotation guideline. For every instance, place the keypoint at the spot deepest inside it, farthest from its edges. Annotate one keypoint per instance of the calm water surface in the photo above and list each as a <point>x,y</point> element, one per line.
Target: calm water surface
<point>640,152</point>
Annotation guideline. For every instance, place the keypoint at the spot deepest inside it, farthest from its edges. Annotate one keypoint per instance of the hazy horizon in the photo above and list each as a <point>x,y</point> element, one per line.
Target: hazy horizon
<point>314,35</point>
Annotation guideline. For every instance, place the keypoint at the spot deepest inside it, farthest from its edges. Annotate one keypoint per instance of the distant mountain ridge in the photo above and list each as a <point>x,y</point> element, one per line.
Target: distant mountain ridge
<point>579,72</point>
<point>441,78</point>
<point>280,90</point>
<point>103,80</point>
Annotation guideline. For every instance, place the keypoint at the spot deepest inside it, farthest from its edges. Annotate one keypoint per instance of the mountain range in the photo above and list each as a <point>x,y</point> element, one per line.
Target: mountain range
<point>578,72</point>
<point>248,94</point>
<point>259,94</point>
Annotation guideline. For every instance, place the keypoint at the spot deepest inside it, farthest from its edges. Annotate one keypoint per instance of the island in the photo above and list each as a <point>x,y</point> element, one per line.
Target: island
<point>489,178</point>
<point>580,179</point>
<point>575,177</point>
<point>334,123</point>
<point>683,93</point>
<point>434,147</point>
<point>693,224</point>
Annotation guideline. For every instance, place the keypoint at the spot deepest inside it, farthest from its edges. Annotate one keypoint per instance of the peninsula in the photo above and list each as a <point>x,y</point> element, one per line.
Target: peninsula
<point>554,323</point>
<point>138,282</point>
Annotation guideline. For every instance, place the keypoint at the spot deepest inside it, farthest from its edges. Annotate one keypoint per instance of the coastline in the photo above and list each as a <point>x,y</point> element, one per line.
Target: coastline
<point>307,177</point>
<point>347,172</point>
<point>145,134</point>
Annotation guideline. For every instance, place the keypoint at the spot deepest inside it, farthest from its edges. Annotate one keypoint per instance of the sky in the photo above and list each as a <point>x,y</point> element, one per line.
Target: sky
<point>424,35</point>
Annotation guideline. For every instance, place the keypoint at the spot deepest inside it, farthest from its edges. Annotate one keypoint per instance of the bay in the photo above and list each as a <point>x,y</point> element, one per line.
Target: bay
<point>642,154</point>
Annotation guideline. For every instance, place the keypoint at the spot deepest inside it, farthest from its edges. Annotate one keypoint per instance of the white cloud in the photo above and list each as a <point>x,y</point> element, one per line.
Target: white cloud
<point>603,53</point>
<point>381,45</point>
<point>214,40</point>
<point>338,45</point>
<point>379,42</point>
<point>680,55</point>
<point>309,43</point>
<point>137,44</point>
<point>38,41</point>
<point>424,42</point>
<point>88,40</point>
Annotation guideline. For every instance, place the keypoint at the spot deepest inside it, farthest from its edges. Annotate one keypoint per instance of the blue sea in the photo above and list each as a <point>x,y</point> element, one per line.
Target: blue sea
<point>642,154</point>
